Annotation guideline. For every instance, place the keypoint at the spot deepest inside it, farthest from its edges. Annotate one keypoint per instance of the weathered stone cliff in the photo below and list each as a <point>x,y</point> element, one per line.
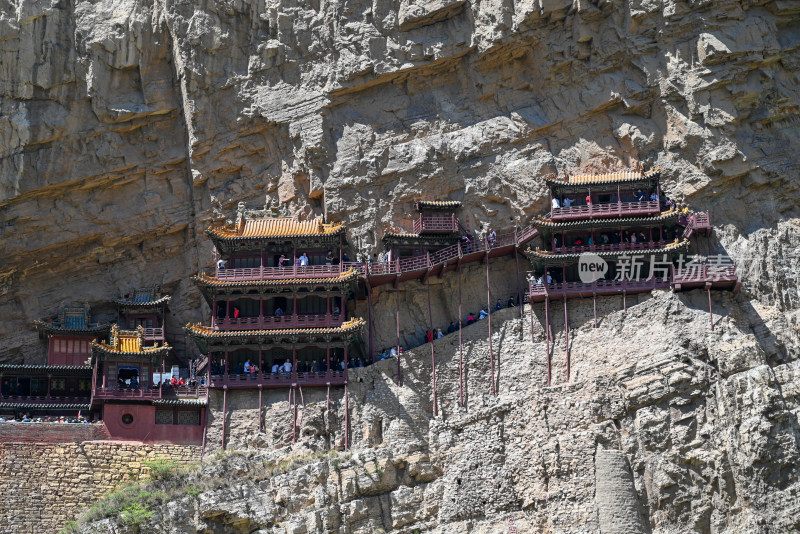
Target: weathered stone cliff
<point>128,126</point>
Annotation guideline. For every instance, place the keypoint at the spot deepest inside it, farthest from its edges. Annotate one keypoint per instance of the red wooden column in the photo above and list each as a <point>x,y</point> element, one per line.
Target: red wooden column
<point>294,416</point>
<point>371,341</point>
<point>260,408</point>
<point>566,335</point>
<point>489,309</point>
<point>224,411</point>
<point>460,346</point>
<point>548,334</point>
<point>227,369</point>
<point>328,365</point>
<point>433,354</point>
<point>294,362</point>
<point>260,365</point>
<point>397,321</point>
<point>346,404</point>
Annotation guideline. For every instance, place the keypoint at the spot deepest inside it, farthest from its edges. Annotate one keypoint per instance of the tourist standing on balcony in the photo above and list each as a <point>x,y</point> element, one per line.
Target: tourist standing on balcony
<point>278,312</point>
<point>589,200</point>
<point>304,260</point>
<point>640,196</point>
<point>345,259</point>
<point>329,258</point>
<point>492,237</point>
<point>275,368</point>
<point>283,259</point>
<point>336,310</point>
<point>247,366</point>
<point>287,367</point>
<point>222,263</point>
<point>568,202</point>
<point>653,197</point>
<point>555,203</point>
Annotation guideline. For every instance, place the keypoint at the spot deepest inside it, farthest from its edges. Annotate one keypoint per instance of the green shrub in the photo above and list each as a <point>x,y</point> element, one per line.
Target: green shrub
<point>135,514</point>
<point>162,469</point>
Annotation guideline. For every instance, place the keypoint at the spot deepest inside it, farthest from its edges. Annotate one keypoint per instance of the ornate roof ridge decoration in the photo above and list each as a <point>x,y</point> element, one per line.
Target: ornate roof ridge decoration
<point>671,213</point>
<point>44,406</point>
<point>200,330</point>
<point>438,204</point>
<point>143,297</point>
<point>129,343</point>
<point>70,320</point>
<point>610,177</point>
<point>180,402</point>
<point>546,254</point>
<point>36,367</point>
<point>271,222</point>
<point>203,279</point>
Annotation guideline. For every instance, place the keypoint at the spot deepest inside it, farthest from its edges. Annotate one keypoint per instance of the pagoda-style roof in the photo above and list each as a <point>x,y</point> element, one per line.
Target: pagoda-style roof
<point>128,343</point>
<point>281,227</point>
<point>549,257</point>
<point>30,369</point>
<point>142,297</point>
<point>348,275</point>
<point>438,205</point>
<point>180,402</point>
<point>349,326</point>
<point>628,176</point>
<point>74,320</point>
<point>544,223</point>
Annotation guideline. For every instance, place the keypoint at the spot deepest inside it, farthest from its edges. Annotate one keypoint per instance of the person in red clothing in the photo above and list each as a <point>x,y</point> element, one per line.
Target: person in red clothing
<point>181,382</point>
<point>174,381</point>
<point>429,335</point>
<point>588,200</point>
<point>235,312</point>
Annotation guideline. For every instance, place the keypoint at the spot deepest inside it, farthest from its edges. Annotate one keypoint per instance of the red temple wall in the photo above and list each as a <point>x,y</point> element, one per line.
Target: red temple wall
<point>144,427</point>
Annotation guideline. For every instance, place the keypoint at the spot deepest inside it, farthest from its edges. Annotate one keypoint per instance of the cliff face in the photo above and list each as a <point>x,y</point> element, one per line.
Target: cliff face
<point>128,126</point>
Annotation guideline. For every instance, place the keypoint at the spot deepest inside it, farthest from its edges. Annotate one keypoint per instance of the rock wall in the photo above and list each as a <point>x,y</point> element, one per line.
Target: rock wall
<point>45,485</point>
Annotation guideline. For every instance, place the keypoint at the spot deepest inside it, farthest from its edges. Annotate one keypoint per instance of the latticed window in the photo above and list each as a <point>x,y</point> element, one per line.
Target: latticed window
<point>164,417</point>
<point>188,417</point>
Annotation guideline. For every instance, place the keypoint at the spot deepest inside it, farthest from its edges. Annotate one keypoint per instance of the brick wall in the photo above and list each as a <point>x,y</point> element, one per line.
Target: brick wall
<point>44,485</point>
<point>50,432</point>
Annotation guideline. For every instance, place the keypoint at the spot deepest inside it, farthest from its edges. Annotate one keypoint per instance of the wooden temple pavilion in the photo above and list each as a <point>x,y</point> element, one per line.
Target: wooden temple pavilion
<point>619,223</point>
<point>145,307</point>
<point>132,406</point>
<point>64,384</point>
<point>277,324</point>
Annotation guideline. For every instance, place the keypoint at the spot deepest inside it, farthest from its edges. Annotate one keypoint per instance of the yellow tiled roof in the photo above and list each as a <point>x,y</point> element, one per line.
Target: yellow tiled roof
<point>204,331</point>
<point>128,342</point>
<point>438,204</point>
<point>345,276</point>
<point>276,227</point>
<point>621,176</point>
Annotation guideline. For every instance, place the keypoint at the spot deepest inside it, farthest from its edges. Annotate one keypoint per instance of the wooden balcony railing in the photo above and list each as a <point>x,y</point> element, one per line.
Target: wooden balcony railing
<point>277,379</point>
<point>45,399</point>
<point>706,273</point>
<point>154,334</point>
<point>560,289</point>
<point>613,209</point>
<point>433,225</point>
<point>617,247</point>
<point>284,321</point>
<point>277,273</point>
<point>157,392</point>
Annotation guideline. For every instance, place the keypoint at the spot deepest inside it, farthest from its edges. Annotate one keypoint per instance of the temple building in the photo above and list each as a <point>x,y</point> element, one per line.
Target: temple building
<point>62,386</point>
<point>132,405</point>
<point>615,234</point>
<point>435,228</point>
<point>145,307</point>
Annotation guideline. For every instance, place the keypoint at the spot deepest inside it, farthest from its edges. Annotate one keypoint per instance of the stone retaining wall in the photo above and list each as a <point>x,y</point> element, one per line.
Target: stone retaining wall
<point>42,486</point>
<point>51,432</point>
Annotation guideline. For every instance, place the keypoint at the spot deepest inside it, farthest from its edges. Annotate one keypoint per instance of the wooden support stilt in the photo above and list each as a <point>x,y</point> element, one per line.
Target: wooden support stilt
<point>397,320</point>
<point>566,335</point>
<point>710,309</point>
<point>303,401</point>
<point>346,419</point>
<point>293,395</point>
<point>460,344</point>
<point>328,406</point>
<point>260,409</point>
<point>224,412</point>
<point>548,334</point>
<point>433,354</point>
<point>594,305</point>
<point>371,343</point>
<point>519,287</point>
<point>624,301</point>
<point>489,309</point>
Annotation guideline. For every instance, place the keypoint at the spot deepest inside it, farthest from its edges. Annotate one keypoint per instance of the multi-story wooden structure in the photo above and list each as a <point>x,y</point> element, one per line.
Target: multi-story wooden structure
<point>132,405</point>
<point>436,227</point>
<point>264,314</point>
<point>145,307</point>
<point>613,234</point>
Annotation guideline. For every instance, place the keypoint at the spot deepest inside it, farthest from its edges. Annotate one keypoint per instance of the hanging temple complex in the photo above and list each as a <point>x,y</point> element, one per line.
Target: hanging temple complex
<point>282,294</point>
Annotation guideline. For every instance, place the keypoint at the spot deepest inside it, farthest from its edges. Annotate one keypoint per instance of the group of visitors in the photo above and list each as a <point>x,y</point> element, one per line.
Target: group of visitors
<point>25,418</point>
<point>471,318</point>
<point>639,196</point>
<point>299,261</point>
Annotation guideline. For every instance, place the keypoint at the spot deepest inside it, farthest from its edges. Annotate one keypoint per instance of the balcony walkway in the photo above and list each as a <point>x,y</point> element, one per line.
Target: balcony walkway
<point>267,322</point>
<point>278,273</point>
<point>599,211</point>
<point>147,393</point>
<point>444,260</point>
<point>277,380</point>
